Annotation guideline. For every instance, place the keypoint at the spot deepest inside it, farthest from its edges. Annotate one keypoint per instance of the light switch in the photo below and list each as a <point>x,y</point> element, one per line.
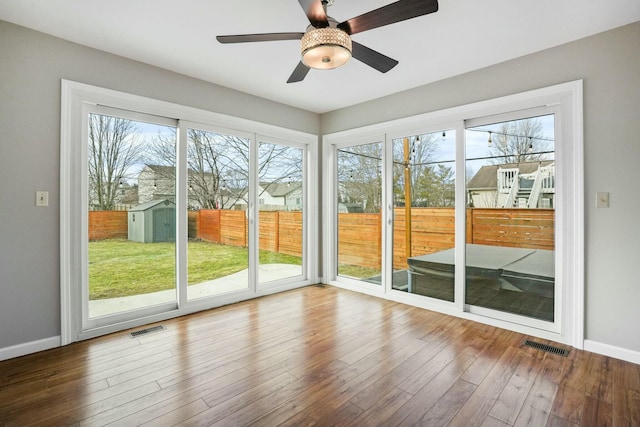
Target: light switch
<point>42,198</point>
<point>602,199</point>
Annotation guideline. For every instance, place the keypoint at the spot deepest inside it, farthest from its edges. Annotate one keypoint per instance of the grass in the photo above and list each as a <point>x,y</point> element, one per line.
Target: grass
<point>119,268</point>
<point>357,272</point>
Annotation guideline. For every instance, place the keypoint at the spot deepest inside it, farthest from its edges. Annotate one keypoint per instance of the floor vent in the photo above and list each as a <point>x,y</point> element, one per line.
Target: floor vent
<point>320,285</point>
<point>548,348</point>
<point>135,334</point>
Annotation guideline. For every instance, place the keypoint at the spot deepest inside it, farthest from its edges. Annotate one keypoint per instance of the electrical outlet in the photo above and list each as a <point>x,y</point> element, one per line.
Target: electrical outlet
<point>42,198</point>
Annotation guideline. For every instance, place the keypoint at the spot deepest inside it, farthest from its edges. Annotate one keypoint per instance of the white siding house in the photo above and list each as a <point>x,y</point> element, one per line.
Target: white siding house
<point>513,185</point>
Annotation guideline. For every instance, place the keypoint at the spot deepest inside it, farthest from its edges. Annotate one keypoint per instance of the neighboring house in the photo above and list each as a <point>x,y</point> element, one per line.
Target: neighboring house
<point>276,196</point>
<point>513,185</point>
<point>126,195</point>
<point>288,194</point>
<point>157,182</point>
<point>359,197</point>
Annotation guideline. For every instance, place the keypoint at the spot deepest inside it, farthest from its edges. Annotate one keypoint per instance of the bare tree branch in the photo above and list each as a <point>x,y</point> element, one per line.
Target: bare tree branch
<point>112,151</point>
<point>519,141</point>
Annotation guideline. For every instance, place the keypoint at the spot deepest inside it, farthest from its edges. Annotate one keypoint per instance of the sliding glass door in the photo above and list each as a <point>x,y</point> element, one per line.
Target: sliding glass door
<point>462,217</point>
<point>173,216</point>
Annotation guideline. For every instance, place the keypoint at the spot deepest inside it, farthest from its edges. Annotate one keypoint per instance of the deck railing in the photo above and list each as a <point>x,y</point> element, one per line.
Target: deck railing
<point>506,179</point>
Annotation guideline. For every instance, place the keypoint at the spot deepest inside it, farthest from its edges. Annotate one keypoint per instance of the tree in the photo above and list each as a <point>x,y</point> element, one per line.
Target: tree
<point>218,166</point>
<point>112,151</point>
<point>359,176</point>
<point>204,170</point>
<point>436,186</point>
<point>421,162</point>
<point>278,165</point>
<point>519,141</point>
<point>204,163</point>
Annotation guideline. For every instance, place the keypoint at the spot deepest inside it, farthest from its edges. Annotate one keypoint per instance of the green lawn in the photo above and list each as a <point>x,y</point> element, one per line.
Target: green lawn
<point>120,268</point>
<point>357,272</point>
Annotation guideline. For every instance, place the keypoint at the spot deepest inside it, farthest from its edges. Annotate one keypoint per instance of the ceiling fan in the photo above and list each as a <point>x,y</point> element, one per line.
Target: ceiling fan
<point>327,43</point>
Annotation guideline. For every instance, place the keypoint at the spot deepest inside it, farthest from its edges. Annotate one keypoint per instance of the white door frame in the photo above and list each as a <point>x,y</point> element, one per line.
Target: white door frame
<point>566,100</point>
<point>76,100</point>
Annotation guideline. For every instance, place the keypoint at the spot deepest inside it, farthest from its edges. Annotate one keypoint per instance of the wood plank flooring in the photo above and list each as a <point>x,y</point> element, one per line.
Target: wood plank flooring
<point>317,356</point>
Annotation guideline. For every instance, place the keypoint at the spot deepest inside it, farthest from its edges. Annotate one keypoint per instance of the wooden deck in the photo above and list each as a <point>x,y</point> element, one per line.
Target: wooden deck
<point>317,356</point>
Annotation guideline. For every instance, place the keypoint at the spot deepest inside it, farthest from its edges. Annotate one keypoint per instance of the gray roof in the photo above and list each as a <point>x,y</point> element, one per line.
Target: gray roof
<point>149,205</point>
<point>279,189</point>
<point>487,176</point>
<point>171,170</point>
<point>163,169</point>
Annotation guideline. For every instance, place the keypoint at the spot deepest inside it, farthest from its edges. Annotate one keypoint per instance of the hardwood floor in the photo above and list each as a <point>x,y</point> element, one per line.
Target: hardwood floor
<point>317,356</point>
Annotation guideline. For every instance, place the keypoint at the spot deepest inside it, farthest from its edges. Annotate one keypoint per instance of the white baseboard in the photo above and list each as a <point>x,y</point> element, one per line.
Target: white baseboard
<point>53,342</point>
<point>29,347</point>
<point>612,351</point>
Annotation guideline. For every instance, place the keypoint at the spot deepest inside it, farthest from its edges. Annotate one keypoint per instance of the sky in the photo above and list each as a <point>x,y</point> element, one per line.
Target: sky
<point>477,145</point>
<point>476,142</point>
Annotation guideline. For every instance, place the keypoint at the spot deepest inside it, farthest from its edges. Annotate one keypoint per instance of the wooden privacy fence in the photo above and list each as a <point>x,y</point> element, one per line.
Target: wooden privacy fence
<point>108,225</point>
<point>219,226</point>
<point>360,234</point>
<point>360,239</point>
<point>433,230</point>
<point>516,228</point>
<point>279,231</point>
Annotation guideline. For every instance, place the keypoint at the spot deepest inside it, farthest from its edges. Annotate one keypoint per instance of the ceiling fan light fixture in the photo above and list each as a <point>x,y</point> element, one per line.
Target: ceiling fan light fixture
<point>325,48</point>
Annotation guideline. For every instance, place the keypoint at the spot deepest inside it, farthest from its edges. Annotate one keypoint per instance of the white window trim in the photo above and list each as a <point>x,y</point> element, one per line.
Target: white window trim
<point>74,97</point>
<point>567,99</point>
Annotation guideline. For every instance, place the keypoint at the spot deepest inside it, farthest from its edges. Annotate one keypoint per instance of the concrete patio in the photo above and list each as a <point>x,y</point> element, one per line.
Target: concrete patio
<point>230,283</point>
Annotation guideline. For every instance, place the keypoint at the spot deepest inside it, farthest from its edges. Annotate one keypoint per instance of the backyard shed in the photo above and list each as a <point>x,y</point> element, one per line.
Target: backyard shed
<point>153,221</point>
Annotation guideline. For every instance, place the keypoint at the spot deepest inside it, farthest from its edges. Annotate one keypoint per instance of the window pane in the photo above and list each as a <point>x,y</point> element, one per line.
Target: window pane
<point>280,194</point>
<point>424,212</point>
<point>511,217</point>
<point>359,212</point>
<point>218,196</point>
<point>131,215</point>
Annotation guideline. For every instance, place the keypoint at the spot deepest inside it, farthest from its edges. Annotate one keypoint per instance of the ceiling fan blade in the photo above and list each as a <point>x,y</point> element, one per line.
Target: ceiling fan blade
<point>269,37</point>
<point>372,58</point>
<point>299,73</point>
<point>315,12</point>
<point>389,14</point>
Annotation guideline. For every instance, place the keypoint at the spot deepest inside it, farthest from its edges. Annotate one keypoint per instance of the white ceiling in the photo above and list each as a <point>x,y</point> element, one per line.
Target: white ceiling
<point>179,35</point>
